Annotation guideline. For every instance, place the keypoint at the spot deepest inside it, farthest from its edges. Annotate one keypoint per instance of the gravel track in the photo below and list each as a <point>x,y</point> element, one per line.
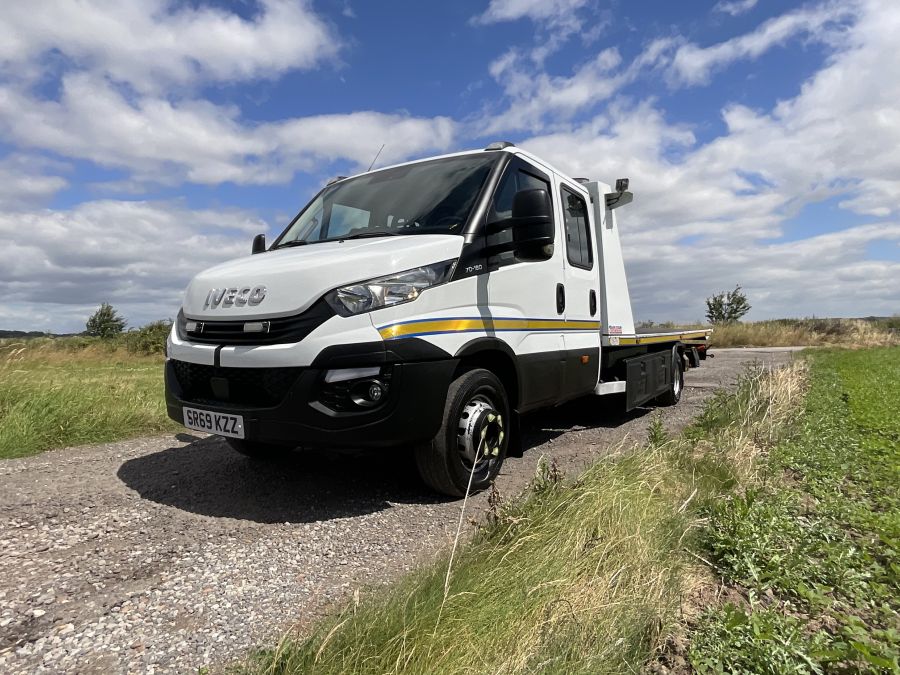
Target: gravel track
<point>171,553</point>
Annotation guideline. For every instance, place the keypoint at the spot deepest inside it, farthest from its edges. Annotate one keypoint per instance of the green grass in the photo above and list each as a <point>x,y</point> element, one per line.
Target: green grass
<point>52,397</point>
<point>815,545</point>
<point>576,577</point>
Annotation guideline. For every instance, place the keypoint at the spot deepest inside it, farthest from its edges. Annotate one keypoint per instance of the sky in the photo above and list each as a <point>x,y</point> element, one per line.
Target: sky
<point>142,141</point>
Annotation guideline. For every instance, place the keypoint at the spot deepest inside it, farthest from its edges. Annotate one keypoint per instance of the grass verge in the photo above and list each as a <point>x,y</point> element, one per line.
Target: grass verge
<point>876,332</point>
<point>52,397</point>
<point>575,577</point>
<point>808,332</point>
<point>812,544</point>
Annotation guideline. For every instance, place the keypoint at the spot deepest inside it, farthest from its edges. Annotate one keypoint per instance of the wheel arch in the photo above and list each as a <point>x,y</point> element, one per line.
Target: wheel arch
<point>496,356</point>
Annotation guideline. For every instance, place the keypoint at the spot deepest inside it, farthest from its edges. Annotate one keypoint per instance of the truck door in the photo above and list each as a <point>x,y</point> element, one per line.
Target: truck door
<point>581,281</point>
<point>523,295</point>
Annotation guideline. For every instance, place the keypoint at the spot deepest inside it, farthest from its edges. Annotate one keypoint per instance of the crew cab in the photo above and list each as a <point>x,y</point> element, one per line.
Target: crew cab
<point>427,305</point>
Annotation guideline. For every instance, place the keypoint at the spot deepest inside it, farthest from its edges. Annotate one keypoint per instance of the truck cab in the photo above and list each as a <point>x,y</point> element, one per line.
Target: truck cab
<point>429,305</point>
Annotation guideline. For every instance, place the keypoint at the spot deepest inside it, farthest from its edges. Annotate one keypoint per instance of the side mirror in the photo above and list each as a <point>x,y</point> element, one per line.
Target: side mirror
<point>532,227</point>
<point>532,224</point>
<point>259,243</point>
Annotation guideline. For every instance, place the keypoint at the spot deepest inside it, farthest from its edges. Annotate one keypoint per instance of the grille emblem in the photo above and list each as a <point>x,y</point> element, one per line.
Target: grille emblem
<point>234,297</point>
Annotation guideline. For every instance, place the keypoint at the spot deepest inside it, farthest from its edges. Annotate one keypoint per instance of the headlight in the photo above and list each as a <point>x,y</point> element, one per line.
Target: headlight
<point>390,290</point>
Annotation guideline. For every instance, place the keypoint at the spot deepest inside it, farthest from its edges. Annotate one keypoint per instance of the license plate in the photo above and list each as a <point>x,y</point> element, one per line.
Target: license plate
<point>211,422</point>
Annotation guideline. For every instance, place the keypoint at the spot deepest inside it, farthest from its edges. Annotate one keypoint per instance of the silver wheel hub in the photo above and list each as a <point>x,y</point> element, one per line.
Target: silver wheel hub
<point>480,435</point>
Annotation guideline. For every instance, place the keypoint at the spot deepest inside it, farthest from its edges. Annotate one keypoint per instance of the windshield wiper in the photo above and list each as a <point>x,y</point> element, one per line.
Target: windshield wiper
<point>366,235</point>
<point>292,242</point>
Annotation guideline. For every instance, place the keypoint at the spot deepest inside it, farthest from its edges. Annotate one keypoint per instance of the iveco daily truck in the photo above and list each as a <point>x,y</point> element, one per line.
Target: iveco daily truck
<point>423,305</point>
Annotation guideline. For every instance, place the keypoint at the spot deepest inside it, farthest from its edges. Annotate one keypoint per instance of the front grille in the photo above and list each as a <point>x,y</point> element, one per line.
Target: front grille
<point>255,387</point>
<point>280,330</point>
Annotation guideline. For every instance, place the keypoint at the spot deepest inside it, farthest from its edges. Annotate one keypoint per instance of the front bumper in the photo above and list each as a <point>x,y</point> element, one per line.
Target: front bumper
<point>284,406</point>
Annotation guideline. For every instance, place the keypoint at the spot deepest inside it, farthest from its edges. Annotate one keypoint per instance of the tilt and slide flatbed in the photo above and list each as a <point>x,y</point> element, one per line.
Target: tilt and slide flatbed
<point>427,304</point>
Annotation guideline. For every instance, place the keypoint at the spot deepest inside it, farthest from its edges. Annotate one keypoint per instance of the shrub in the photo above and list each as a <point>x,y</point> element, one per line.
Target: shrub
<point>727,306</point>
<point>105,322</point>
<point>150,339</point>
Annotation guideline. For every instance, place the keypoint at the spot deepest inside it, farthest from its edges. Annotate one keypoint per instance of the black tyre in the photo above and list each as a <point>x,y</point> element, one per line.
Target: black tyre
<point>473,438</point>
<point>257,450</point>
<point>673,393</point>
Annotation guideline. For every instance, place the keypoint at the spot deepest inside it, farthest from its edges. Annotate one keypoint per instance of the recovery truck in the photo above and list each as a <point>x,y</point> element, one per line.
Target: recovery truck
<point>426,305</point>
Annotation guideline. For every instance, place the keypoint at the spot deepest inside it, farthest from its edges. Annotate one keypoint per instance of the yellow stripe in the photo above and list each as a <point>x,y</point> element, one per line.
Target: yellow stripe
<point>455,325</point>
<point>660,338</point>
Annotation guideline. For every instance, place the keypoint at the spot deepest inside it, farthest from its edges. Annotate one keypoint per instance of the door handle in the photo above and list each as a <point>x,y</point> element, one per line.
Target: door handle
<point>560,298</point>
<point>593,302</point>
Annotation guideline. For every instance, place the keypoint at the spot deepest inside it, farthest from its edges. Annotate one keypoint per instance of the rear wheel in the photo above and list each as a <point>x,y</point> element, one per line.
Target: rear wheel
<point>673,393</point>
<point>257,450</point>
<point>473,438</point>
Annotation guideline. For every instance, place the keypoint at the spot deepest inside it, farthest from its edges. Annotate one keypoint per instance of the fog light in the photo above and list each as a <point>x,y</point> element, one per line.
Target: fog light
<point>375,392</point>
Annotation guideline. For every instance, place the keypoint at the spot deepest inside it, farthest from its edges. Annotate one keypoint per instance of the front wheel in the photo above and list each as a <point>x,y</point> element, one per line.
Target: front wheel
<point>468,451</point>
<point>673,393</point>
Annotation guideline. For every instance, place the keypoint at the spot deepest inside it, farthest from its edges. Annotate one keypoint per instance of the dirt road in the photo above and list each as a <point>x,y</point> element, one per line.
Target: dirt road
<point>170,553</point>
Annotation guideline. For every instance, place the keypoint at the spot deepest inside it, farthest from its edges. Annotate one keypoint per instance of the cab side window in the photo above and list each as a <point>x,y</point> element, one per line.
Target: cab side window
<point>512,182</point>
<point>577,228</point>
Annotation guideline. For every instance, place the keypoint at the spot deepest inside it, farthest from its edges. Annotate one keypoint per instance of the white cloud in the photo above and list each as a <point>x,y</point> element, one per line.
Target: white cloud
<point>163,141</point>
<point>26,180</point>
<point>537,10</point>
<point>153,43</point>
<point>692,65</point>
<point>735,7</point>
<point>137,255</point>
<point>534,97</point>
<point>715,214</point>
<point>557,21</point>
<point>707,214</point>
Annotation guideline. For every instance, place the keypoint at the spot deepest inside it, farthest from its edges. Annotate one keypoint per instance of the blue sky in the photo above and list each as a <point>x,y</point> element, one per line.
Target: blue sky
<point>142,140</point>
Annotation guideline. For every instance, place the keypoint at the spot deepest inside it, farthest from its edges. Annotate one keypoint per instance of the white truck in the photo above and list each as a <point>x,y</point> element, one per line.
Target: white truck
<point>424,305</point>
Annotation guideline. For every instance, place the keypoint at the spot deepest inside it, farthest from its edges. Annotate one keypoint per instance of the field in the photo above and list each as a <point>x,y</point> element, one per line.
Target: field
<point>809,333</point>
<point>790,498</point>
<point>58,392</point>
<point>61,393</point>
<point>876,332</point>
<point>814,542</point>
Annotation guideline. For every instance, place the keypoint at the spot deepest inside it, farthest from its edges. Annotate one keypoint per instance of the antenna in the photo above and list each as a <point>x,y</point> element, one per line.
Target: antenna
<point>376,158</point>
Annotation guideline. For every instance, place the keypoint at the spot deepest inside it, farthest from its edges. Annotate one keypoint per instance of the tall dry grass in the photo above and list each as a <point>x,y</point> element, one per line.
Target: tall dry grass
<point>54,394</point>
<point>806,332</point>
<point>580,576</point>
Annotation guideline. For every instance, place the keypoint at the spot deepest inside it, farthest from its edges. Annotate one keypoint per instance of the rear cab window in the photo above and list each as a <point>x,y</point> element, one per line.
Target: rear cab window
<point>576,225</point>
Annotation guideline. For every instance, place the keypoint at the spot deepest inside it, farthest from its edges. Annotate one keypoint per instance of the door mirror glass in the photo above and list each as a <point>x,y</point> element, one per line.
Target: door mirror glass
<point>532,223</point>
<point>531,205</point>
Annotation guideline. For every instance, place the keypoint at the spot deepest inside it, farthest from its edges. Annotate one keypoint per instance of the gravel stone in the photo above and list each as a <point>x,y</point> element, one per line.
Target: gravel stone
<point>172,553</point>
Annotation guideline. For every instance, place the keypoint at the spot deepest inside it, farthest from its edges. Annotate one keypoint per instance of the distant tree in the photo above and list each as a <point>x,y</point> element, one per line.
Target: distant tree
<point>105,322</point>
<point>727,306</point>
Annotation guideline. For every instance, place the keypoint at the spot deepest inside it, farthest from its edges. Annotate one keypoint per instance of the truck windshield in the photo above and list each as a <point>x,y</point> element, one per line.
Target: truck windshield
<point>433,197</point>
